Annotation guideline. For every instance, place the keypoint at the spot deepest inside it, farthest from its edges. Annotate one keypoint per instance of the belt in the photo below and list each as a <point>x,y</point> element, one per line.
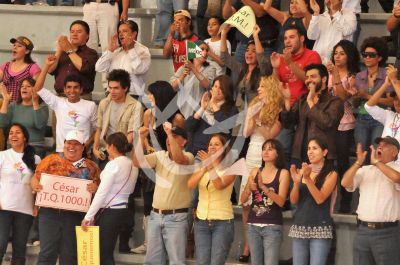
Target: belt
<point>122,205</point>
<point>377,225</point>
<point>166,212</point>
<point>112,2</point>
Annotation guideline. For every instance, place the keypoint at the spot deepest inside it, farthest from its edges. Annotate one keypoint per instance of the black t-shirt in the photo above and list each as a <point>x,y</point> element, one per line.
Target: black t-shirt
<point>268,25</point>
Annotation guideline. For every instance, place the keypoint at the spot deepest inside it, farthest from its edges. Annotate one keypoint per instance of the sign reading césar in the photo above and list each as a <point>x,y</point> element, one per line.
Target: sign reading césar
<point>64,193</point>
<point>244,20</point>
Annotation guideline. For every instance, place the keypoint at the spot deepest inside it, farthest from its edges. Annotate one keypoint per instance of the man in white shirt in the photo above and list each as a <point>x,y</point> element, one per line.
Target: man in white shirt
<point>377,240</point>
<point>327,29</point>
<point>133,57</point>
<point>72,112</point>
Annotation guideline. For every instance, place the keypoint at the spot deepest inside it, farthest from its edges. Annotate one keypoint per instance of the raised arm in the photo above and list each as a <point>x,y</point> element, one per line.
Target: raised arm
<point>278,15</point>
<point>228,10</point>
<point>167,50</point>
<point>50,61</point>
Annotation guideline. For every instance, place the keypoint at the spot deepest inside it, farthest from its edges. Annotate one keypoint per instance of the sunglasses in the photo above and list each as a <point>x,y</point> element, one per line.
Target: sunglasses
<point>369,54</point>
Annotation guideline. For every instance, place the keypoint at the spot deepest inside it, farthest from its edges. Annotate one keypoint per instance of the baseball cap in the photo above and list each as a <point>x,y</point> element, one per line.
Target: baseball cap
<point>183,12</point>
<point>179,131</point>
<point>75,135</point>
<point>389,140</point>
<point>24,41</point>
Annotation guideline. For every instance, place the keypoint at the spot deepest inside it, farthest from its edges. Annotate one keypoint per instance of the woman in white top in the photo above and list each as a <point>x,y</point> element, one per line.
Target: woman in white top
<point>17,165</point>
<point>110,203</point>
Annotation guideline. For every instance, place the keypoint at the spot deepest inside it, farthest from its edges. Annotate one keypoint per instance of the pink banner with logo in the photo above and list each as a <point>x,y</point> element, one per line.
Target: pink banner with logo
<point>64,193</point>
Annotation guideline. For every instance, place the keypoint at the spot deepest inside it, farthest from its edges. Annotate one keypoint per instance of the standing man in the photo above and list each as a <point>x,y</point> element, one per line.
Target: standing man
<point>180,31</point>
<point>74,57</point>
<point>327,29</point>
<point>57,226</point>
<point>72,112</point>
<point>168,224</point>
<point>289,67</point>
<point>316,114</point>
<point>377,240</point>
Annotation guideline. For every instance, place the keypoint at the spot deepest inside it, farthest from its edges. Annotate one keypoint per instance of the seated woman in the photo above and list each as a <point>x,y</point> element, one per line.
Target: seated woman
<point>17,166</point>
<point>110,203</point>
<point>312,192</point>
<point>29,110</point>
<point>191,80</point>
<point>215,107</point>
<point>268,186</point>
<point>214,224</point>
<point>20,67</point>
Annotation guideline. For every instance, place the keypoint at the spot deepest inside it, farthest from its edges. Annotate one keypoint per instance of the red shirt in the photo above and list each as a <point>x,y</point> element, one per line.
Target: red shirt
<point>179,50</point>
<point>296,85</point>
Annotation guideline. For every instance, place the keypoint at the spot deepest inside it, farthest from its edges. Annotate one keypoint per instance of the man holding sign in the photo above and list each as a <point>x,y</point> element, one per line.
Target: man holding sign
<point>56,225</point>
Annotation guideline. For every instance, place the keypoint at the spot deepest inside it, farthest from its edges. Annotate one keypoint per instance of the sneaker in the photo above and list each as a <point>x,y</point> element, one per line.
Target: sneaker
<point>139,250</point>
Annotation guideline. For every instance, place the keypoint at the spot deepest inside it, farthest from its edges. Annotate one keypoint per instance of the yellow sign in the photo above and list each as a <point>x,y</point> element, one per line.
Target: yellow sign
<point>88,245</point>
<point>244,20</point>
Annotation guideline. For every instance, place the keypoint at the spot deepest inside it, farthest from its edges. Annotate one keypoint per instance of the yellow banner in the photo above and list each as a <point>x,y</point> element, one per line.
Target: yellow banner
<point>244,20</point>
<point>88,245</point>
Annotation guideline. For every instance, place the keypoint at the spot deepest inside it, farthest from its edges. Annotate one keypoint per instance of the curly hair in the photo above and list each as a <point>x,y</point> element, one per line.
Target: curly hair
<point>273,102</point>
<point>379,44</point>
<point>353,56</point>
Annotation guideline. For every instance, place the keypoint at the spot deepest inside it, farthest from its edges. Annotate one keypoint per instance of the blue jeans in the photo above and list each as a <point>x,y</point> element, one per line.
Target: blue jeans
<point>366,131</point>
<point>19,224</point>
<point>57,236</point>
<point>381,246</point>
<point>213,240</point>
<point>167,235</point>
<point>310,251</point>
<point>264,244</point>
<point>165,9</point>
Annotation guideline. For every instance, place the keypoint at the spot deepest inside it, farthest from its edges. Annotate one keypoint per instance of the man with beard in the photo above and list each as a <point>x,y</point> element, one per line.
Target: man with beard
<point>378,213</point>
<point>316,114</point>
<point>289,67</point>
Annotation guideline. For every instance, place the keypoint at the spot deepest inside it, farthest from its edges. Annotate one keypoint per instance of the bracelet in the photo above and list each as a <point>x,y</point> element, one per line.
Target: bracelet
<point>338,83</point>
<point>357,164</point>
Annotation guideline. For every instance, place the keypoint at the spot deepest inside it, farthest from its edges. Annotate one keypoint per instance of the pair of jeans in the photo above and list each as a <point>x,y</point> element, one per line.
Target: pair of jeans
<point>380,246</point>
<point>264,244</point>
<point>110,222</point>
<point>57,236</point>
<point>213,240</point>
<point>19,224</point>
<point>167,235</point>
<point>366,131</point>
<point>165,9</point>
<point>310,251</point>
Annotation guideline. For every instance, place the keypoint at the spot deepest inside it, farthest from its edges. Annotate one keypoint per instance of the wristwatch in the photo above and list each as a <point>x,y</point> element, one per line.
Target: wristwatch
<point>70,51</point>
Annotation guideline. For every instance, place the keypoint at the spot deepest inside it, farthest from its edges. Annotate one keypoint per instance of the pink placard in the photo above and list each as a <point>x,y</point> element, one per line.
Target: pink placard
<point>64,193</point>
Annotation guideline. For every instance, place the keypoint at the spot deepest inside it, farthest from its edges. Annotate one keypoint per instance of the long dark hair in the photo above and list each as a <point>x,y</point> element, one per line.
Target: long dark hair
<point>29,152</point>
<point>280,161</point>
<point>353,56</point>
<point>226,86</point>
<point>120,142</point>
<point>328,166</point>
<point>255,75</point>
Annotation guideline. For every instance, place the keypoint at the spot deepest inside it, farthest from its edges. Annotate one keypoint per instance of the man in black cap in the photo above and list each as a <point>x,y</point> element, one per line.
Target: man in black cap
<point>378,213</point>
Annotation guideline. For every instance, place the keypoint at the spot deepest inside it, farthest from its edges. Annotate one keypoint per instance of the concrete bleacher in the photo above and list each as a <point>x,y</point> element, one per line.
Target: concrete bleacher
<point>43,24</point>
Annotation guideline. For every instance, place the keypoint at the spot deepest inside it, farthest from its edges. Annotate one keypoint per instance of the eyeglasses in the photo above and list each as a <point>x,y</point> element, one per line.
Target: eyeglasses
<point>369,54</point>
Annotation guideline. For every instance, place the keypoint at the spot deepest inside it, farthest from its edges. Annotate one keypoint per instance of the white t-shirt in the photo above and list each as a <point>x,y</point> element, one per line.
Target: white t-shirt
<point>379,196</point>
<point>113,178</point>
<point>81,115</point>
<point>15,182</point>
<point>215,47</point>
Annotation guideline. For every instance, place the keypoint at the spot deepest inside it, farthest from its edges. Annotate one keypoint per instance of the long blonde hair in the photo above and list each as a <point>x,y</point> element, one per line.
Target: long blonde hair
<point>273,101</point>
